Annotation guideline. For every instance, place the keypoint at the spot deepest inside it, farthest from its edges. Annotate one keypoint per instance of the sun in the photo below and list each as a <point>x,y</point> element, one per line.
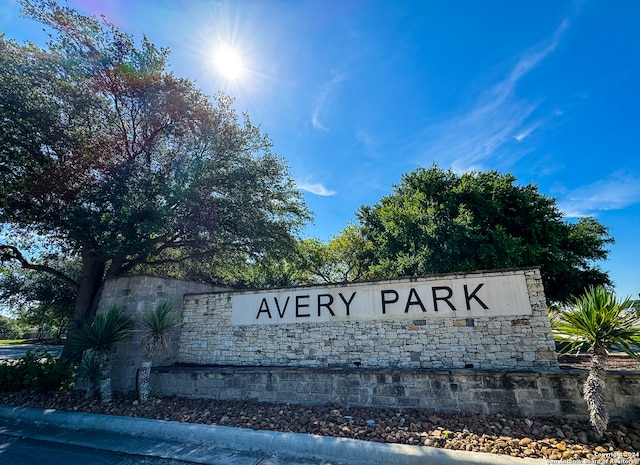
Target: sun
<point>229,63</point>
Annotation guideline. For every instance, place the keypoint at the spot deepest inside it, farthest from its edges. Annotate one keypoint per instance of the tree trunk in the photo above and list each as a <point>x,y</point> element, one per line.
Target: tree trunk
<point>144,386</point>
<point>106,394</point>
<point>87,298</point>
<point>594,391</point>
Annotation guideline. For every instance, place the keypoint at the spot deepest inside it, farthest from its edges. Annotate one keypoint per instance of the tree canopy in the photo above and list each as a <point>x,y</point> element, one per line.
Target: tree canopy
<point>436,221</point>
<point>107,156</point>
<point>40,300</point>
<point>337,261</point>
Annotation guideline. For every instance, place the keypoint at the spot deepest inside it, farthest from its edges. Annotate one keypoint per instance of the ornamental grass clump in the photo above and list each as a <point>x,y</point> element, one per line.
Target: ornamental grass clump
<point>600,322</point>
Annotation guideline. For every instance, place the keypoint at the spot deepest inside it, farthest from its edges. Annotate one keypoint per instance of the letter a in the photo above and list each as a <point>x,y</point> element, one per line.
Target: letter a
<point>264,308</point>
<point>414,299</point>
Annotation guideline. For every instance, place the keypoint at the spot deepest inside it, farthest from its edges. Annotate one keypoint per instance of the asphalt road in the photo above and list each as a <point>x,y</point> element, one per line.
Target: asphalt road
<point>29,443</point>
<point>25,451</point>
<point>16,351</point>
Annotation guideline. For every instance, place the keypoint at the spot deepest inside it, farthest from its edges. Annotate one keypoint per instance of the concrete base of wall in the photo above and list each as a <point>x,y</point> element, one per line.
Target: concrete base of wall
<point>525,394</point>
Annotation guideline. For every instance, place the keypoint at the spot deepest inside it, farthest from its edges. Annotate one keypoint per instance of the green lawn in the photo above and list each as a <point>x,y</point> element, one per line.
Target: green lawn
<point>12,341</point>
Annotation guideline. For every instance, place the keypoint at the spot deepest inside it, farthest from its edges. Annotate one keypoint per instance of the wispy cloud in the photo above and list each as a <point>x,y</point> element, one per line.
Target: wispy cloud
<point>496,118</point>
<point>526,132</point>
<point>323,98</point>
<point>315,188</point>
<point>370,144</point>
<point>614,193</point>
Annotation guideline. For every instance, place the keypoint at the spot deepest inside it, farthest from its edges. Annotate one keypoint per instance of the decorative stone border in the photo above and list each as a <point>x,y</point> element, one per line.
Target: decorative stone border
<point>519,394</point>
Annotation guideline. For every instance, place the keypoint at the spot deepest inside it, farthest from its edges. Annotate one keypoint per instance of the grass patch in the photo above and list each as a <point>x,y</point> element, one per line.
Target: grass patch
<point>12,341</point>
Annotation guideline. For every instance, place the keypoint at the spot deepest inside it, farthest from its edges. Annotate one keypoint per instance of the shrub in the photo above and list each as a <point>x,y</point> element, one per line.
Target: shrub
<point>9,329</point>
<point>38,371</point>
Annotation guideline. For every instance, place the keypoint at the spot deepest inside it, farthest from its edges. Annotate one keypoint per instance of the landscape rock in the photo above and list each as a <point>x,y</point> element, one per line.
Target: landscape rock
<point>550,438</point>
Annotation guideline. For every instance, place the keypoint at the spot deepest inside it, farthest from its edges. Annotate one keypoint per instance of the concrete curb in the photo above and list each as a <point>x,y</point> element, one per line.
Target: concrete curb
<point>307,446</point>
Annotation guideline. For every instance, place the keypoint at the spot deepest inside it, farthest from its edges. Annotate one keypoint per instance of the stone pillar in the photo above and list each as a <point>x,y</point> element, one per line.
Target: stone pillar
<point>134,294</point>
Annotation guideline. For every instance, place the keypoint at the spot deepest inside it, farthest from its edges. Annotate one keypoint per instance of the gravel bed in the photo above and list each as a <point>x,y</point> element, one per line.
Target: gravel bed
<point>550,438</point>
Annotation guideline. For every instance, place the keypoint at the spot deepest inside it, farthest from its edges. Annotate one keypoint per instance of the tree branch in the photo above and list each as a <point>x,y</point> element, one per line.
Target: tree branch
<point>9,253</point>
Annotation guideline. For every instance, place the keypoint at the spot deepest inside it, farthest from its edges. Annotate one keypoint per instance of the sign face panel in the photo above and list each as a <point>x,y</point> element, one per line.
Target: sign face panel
<point>466,297</point>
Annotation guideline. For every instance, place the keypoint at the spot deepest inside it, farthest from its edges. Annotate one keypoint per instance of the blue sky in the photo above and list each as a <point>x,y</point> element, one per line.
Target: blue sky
<point>355,93</point>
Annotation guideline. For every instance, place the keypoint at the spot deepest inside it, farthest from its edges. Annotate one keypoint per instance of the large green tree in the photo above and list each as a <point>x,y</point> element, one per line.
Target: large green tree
<point>437,221</point>
<point>311,262</point>
<point>108,157</point>
<point>337,261</point>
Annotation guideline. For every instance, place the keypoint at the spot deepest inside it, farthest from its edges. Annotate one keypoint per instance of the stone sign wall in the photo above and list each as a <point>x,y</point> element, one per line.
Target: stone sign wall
<point>484,320</point>
<point>134,294</point>
<point>476,342</point>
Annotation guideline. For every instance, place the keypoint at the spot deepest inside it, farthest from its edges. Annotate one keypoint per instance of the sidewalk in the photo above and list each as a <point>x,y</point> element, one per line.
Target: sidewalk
<point>216,445</point>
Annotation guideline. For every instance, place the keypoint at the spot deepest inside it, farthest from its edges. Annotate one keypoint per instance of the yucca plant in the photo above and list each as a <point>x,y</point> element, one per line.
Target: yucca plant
<point>100,335</point>
<point>89,371</point>
<point>600,321</point>
<point>156,325</point>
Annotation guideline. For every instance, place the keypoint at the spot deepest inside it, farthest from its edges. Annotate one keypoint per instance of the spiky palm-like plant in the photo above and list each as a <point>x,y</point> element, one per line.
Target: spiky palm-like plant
<point>99,335</point>
<point>89,371</point>
<point>599,320</point>
<point>156,325</point>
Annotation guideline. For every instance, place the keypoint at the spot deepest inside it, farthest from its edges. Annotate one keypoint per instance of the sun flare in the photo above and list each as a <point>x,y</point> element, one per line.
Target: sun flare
<point>229,62</point>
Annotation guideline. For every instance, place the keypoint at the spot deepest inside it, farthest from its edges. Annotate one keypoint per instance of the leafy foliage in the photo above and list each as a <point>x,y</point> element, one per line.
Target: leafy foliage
<point>9,329</point>
<point>116,161</point>
<point>337,261</point>
<point>99,336</point>
<point>156,323</point>
<point>437,222</point>
<point>89,371</point>
<point>40,300</point>
<point>38,371</point>
<point>266,273</point>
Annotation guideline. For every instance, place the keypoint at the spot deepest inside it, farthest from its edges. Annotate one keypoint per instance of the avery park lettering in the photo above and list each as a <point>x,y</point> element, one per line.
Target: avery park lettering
<point>407,299</point>
<point>388,297</point>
